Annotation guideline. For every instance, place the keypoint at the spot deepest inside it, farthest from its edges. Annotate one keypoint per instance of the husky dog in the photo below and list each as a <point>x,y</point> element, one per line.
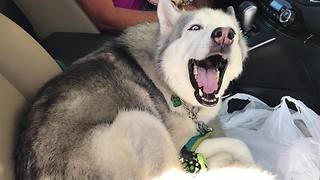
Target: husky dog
<point>111,115</point>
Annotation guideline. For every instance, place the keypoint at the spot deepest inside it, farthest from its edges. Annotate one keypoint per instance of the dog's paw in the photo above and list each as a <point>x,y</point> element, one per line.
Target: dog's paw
<point>219,174</point>
<point>220,160</point>
<point>222,152</point>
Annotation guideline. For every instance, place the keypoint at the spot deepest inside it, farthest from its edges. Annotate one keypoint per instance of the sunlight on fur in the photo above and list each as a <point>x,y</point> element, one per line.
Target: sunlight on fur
<point>220,174</point>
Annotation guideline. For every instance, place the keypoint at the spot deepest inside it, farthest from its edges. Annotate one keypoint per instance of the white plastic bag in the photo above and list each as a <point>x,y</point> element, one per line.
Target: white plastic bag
<point>275,136</point>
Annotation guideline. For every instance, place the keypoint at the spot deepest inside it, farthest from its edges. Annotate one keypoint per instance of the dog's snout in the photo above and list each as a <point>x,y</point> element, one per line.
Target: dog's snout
<point>223,36</point>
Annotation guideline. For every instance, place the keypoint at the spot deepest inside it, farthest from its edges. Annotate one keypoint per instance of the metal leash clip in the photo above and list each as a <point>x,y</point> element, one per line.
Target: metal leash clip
<point>203,128</point>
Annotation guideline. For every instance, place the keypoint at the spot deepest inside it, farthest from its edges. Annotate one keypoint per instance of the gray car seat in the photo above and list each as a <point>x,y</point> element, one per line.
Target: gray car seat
<point>49,16</point>
<point>24,67</point>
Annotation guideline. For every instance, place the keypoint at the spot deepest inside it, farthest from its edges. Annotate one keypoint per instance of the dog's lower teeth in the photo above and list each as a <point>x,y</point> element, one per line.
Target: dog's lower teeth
<point>208,100</point>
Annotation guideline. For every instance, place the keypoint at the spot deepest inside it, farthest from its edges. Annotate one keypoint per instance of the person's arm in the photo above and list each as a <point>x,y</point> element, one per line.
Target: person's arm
<point>108,17</point>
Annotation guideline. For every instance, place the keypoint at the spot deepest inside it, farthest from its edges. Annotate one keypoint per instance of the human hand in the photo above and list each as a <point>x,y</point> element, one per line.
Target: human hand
<point>188,7</point>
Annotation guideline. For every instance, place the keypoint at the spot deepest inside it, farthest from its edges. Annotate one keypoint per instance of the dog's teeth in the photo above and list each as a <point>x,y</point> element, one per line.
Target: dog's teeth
<point>195,70</point>
<point>200,92</point>
<point>204,99</point>
<point>208,100</point>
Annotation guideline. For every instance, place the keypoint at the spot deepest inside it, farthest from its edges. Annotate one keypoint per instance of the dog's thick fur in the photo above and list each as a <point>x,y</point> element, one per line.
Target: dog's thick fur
<point>110,116</point>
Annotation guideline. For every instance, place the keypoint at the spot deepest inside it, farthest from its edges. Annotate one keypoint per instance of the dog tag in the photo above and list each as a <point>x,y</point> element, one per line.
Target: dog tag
<point>176,101</point>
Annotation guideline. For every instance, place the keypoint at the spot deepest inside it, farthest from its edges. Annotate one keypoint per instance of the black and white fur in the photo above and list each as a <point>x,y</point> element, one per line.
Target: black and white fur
<point>110,115</point>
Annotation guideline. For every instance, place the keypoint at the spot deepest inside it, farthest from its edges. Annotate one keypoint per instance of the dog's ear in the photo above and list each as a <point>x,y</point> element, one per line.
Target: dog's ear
<point>230,10</point>
<point>168,15</point>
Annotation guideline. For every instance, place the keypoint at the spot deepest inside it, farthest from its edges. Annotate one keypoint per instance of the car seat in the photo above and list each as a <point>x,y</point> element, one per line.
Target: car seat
<point>48,16</point>
<point>24,67</point>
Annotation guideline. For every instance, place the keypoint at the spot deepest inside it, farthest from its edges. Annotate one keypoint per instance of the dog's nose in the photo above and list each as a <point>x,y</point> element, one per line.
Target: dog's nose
<point>223,36</point>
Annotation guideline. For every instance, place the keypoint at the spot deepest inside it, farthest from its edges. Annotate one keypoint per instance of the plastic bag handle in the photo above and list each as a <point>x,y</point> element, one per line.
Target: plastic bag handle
<point>248,97</point>
<point>308,117</point>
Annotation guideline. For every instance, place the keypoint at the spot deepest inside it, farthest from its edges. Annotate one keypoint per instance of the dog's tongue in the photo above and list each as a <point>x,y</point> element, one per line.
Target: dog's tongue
<point>207,79</point>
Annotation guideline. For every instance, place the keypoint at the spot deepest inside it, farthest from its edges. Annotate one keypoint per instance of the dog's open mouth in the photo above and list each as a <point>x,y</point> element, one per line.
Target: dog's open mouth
<point>206,77</point>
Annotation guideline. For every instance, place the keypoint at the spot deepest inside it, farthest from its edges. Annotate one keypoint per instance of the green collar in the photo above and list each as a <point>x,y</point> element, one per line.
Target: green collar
<point>195,141</point>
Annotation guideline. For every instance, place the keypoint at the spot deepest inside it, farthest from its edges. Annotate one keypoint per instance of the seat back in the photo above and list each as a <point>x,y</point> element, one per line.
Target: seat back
<point>49,16</point>
<point>23,62</point>
<point>24,67</point>
<point>12,104</point>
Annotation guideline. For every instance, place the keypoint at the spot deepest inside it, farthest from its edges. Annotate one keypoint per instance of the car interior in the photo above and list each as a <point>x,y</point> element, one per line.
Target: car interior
<point>38,39</point>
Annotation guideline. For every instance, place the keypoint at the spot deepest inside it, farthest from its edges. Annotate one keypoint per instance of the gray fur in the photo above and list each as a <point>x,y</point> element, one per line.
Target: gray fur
<point>78,101</point>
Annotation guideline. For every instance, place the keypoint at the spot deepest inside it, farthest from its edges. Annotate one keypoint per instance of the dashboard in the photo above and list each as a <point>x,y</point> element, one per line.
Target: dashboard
<point>295,15</point>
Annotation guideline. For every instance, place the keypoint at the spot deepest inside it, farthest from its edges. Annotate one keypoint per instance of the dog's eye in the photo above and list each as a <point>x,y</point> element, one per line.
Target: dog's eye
<point>195,27</point>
